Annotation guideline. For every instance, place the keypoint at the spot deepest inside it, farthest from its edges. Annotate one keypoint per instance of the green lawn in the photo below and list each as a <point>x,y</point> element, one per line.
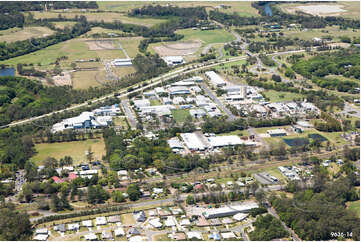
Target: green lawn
<point>206,36</point>
<point>155,102</point>
<point>229,65</point>
<point>276,96</point>
<point>75,149</point>
<point>236,132</point>
<point>355,207</point>
<point>16,34</point>
<point>180,115</point>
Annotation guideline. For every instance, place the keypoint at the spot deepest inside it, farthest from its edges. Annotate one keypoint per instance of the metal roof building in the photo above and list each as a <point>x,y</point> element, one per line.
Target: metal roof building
<point>229,210</point>
<point>193,142</point>
<point>222,141</point>
<point>215,79</point>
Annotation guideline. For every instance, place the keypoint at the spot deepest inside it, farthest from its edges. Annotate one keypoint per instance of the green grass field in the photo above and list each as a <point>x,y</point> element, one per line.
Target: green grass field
<point>236,132</point>
<point>17,34</point>
<point>99,16</point>
<point>354,207</point>
<point>155,102</point>
<point>206,36</point>
<point>180,115</point>
<point>243,8</point>
<point>276,96</point>
<point>75,149</point>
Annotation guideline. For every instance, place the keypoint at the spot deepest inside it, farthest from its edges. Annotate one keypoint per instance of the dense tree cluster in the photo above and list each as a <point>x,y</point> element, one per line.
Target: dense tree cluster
<point>14,225</point>
<point>345,62</point>
<point>314,214</point>
<point>143,153</point>
<point>166,11</point>
<point>267,228</point>
<point>11,20</point>
<point>330,125</point>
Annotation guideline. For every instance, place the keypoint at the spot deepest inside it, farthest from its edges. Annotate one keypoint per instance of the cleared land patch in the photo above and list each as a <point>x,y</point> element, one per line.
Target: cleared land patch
<point>16,34</point>
<point>63,80</point>
<point>75,149</point>
<point>100,44</point>
<point>178,48</point>
<point>344,9</point>
<point>207,36</point>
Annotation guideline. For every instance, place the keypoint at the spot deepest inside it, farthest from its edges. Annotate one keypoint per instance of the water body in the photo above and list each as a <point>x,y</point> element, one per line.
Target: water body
<point>7,72</point>
<point>267,9</point>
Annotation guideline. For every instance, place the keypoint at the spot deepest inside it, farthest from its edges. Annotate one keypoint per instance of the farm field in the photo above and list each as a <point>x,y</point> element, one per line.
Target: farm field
<point>346,9</point>
<point>242,8</point>
<point>16,34</point>
<point>99,16</point>
<point>75,149</point>
<point>180,115</point>
<point>276,96</point>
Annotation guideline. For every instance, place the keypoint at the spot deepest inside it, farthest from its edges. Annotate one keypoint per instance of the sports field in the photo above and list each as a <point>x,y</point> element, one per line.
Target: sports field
<point>75,149</point>
<point>180,115</point>
<point>16,34</point>
<point>206,36</point>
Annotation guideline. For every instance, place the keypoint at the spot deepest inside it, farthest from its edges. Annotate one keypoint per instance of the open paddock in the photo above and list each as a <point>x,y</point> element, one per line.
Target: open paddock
<point>75,149</point>
<point>99,16</point>
<point>16,34</point>
<point>85,79</point>
<point>346,9</point>
<point>63,80</point>
<point>101,44</point>
<point>243,8</point>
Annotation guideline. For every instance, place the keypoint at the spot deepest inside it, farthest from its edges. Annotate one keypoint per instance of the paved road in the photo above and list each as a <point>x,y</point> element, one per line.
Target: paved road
<point>273,212</point>
<point>128,112</point>
<point>231,117</point>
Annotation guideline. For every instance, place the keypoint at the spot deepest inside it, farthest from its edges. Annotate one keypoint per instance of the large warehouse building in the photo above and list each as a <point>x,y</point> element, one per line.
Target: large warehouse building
<point>229,210</point>
<point>215,79</point>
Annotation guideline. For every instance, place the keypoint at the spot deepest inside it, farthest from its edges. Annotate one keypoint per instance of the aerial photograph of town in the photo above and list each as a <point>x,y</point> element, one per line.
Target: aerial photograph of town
<point>179,120</point>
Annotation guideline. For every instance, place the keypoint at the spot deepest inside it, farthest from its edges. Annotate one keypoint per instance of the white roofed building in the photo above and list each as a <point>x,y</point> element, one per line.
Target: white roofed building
<point>141,103</point>
<point>215,79</point>
<point>173,60</point>
<point>193,142</point>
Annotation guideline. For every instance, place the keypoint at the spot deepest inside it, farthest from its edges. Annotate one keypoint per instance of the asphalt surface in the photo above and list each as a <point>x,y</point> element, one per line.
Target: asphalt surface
<point>231,117</point>
<point>128,112</point>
